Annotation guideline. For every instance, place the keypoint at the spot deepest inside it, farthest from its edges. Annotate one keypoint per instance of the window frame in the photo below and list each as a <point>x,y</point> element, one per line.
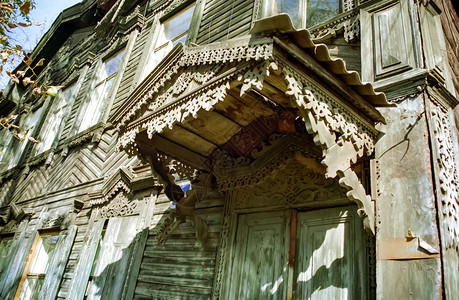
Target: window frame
<point>157,28</point>
<point>17,149</point>
<point>104,103</point>
<point>302,15</point>
<point>54,108</point>
<point>31,259</point>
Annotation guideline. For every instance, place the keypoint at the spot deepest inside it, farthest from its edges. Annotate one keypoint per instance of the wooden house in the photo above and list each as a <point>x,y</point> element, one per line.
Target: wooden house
<point>243,149</point>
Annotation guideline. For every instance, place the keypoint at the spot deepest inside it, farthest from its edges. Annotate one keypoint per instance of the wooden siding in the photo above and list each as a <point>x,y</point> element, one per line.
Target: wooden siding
<point>182,268</point>
<point>6,190</point>
<point>82,164</point>
<point>350,53</point>
<point>222,20</point>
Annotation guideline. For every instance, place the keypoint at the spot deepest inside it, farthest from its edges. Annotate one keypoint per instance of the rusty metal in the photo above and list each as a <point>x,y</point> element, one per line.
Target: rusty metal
<point>403,248</point>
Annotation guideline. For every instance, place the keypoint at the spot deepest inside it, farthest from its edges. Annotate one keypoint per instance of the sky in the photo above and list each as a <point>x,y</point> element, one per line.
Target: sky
<point>45,11</point>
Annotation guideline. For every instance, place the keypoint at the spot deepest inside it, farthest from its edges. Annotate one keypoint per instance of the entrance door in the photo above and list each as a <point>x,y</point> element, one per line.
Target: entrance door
<point>329,256</point>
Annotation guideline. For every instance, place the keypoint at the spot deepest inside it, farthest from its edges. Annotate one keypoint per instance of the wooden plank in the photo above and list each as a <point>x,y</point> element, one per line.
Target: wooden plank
<point>170,291</point>
<point>251,277</point>
<point>189,140</point>
<point>213,127</point>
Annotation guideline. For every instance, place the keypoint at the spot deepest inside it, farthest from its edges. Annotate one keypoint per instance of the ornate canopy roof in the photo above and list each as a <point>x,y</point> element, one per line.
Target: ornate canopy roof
<point>201,98</point>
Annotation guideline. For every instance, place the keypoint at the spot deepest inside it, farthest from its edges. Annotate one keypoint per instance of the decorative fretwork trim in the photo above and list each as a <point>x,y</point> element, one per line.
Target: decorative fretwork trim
<point>341,141</point>
<point>198,56</point>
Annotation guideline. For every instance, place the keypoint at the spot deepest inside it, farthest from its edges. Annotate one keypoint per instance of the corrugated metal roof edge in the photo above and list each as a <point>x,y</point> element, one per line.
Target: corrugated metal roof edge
<point>282,24</point>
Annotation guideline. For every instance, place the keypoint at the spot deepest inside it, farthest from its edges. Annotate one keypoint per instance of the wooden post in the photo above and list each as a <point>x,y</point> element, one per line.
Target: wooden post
<point>291,253</point>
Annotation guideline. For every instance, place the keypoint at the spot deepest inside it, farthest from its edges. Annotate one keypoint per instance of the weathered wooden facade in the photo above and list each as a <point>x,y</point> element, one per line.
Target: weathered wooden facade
<point>218,149</point>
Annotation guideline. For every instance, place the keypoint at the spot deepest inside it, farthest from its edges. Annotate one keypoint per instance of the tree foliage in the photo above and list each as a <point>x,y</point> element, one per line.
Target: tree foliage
<point>14,14</point>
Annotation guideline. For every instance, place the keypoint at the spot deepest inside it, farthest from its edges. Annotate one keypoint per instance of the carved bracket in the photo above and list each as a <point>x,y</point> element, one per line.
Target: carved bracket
<point>185,204</point>
<point>341,141</point>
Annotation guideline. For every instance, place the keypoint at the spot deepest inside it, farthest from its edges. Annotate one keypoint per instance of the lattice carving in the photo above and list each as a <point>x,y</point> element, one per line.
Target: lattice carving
<point>175,4</point>
<point>254,77</point>
<point>352,29</point>
<point>198,56</point>
<point>183,81</point>
<point>177,112</point>
<point>10,227</point>
<point>448,178</point>
<point>119,206</point>
<point>349,24</point>
<point>292,183</point>
<point>183,170</point>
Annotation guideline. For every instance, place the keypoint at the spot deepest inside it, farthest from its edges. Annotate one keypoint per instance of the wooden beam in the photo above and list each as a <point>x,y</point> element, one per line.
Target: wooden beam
<point>170,148</point>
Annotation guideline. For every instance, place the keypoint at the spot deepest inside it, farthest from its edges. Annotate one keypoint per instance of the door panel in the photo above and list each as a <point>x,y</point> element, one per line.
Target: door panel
<point>325,254</point>
<point>261,255</point>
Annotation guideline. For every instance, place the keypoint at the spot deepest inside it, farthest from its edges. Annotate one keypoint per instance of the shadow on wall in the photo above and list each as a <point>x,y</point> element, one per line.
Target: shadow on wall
<point>128,264</point>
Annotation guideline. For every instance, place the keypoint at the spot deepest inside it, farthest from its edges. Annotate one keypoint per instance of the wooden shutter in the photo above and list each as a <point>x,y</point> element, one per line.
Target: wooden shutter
<point>57,264</point>
<point>222,20</point>
<point>112,266</point>
<point>84,265</point>
<point>18,254</point>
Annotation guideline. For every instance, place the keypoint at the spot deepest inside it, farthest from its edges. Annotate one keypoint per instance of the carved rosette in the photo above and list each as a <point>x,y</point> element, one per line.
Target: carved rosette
<point>448,178</point>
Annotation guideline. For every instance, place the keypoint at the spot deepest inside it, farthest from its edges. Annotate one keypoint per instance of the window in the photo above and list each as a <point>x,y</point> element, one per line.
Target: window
<point>101,92</point>
<point>304,13</point>
<point>35,271</point>
<point>54,123</point>
<point>171,31</point>
<point>12,148</point>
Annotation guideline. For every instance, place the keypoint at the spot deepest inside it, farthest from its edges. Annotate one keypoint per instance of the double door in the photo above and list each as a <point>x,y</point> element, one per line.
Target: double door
<point>301,255</point>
